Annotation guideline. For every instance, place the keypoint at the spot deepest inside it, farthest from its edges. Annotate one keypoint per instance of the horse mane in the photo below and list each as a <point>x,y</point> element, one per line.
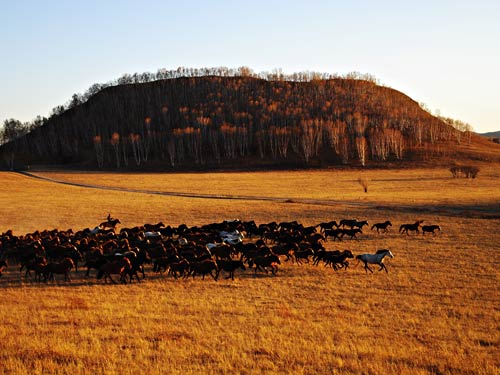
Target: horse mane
<point>381,251</point>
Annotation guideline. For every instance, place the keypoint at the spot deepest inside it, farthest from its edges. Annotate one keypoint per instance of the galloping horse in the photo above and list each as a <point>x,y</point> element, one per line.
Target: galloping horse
<point>327,225</point>
<point>3,264</point>
<point>382,226</point>
<point>109,224</point>
<point>352,223</point>
<point>118,267</point>
<point>36,264</point>
<point>405,228</point>
<point>338,261</point>
<point>430,229</point>
<point>62,268</point>
<point>377,258</point>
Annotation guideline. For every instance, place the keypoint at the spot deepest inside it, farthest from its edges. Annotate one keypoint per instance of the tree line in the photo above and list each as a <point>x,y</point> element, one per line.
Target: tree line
<point>216,115</point>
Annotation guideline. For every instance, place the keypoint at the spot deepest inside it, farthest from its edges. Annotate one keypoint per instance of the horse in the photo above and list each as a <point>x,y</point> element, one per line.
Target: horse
<point>347,223</point>
<point>323,255</point>
<point>109,223</point>
<point>352,223</point>
<point>301,255</point>
<point>62,268</point>
<point>119,266</point>
<point>3,264</point>
<point>36,264</point>
<point>351,233</point>
<point>335,233</point>
<point>204,267</point>
<point>261,262</point>
<point>154,227</point>
<point>405,228</point>
<point>382,226</point>
<point>137,259</point>
<point>181,267</point>
<point>377,258</point>
<point>430,229</point>
<point>230,266</point>
<point>338,260</point>
<point>327,225</point>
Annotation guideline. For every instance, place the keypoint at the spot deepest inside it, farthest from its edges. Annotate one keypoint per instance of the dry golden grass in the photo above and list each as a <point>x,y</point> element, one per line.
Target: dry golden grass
<point>437,311</point>
<point>418,186</point>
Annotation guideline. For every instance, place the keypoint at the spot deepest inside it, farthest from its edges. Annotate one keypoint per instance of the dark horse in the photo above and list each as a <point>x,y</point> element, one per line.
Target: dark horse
<point>382,226</point>
<point>338,260</point>
<point>36,264</point>
<point>62,268</point>
<point>430,229</point>
<point>109,224</point>
<point>3,264</point>
<point>405,228</point>
<point>118,267</point>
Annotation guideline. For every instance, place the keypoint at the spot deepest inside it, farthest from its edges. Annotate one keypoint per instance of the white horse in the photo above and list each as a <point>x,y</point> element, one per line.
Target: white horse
<point>232,238</point>
<point>377,258</point>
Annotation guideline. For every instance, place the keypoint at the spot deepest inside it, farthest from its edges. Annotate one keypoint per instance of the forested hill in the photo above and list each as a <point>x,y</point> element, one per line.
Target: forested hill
<point>241,121</point>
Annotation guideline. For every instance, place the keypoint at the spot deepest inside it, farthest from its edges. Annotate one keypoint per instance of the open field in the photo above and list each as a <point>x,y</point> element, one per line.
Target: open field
<point>437,311</point>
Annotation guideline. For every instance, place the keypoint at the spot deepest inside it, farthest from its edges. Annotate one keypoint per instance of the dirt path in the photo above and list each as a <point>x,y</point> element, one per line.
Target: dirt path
<point>480,212</point>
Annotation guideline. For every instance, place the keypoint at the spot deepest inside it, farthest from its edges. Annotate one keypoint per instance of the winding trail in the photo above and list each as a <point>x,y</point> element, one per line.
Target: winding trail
<point>480,212</point>
<point>323,202</point>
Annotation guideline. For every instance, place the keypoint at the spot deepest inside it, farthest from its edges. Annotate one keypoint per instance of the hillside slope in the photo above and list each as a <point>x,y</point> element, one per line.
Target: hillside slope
<point>242,122</point>
<point>491,134</point>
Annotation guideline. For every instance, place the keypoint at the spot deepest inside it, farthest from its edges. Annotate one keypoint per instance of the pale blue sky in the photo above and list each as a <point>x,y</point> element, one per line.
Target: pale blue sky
<point>443,53</point>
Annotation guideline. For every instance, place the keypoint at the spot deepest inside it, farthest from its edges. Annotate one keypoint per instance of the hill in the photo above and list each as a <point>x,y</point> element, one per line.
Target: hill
<point>242,121</point>
<point>491,134</point>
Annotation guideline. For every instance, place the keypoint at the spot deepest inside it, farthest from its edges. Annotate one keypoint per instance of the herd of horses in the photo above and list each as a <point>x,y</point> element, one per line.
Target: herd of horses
<point>185,252</point>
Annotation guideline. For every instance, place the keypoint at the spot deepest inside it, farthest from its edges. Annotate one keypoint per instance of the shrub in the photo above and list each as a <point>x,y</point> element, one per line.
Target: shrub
<point>466,171</point>
<point>364,183</point>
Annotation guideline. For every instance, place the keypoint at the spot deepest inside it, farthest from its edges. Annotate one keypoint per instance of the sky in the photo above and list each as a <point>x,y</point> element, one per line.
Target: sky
<point>443,53</point>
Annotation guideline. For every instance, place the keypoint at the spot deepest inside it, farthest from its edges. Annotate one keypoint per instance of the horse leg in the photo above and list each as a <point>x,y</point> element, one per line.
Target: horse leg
<point>367,268</point>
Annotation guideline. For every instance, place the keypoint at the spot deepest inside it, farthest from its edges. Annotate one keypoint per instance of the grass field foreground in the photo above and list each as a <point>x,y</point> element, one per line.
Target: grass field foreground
<point>435,312</point>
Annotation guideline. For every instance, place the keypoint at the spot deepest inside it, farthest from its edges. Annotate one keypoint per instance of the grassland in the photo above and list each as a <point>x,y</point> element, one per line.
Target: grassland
<point>437,311</point>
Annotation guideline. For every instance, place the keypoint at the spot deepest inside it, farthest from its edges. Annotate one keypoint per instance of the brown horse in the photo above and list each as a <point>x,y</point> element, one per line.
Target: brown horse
<point>405,228</point>
<point>382,226</point>
<point>61,268</point>
<point>430,229</point>
<point>118,267</point>
<point>3,264</point>
<point>109,224</point>
<point>36,264</point>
